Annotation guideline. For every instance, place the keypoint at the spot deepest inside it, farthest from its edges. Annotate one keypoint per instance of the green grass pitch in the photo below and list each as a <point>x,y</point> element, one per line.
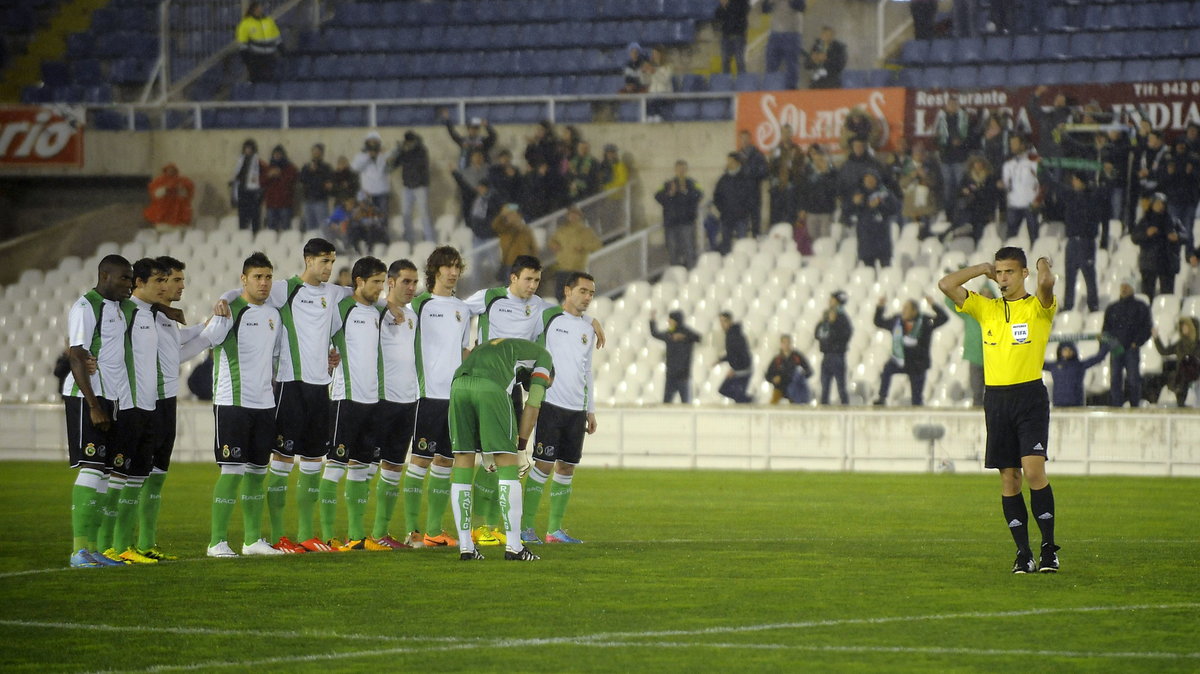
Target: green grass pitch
<point>682,571</point>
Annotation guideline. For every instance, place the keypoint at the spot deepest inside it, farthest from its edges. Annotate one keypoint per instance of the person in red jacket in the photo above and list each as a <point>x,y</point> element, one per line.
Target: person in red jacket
<point>170,200</point>
<point>279,187</point>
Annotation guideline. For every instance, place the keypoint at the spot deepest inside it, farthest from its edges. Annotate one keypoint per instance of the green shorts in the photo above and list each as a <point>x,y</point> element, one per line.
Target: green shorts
<point>481,417</point>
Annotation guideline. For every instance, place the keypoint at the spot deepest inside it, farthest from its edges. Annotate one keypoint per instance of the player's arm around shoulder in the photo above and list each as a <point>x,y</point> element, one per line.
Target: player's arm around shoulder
<point>1045,283</point>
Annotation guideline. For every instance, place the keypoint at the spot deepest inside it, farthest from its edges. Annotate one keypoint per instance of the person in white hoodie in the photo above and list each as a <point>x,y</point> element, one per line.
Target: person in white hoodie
<point>372,166</point>
<point>1020,183</point>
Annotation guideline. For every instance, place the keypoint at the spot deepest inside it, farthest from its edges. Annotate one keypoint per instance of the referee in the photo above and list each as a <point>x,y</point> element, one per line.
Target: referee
<point>1015,329</point>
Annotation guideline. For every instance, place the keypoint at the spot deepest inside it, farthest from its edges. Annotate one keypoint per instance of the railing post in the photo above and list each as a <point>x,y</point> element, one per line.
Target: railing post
<point>285,116</point>
<point>879,13</point>
<point>371,114</point>
<point>164,47</point>
<point>628,206</point>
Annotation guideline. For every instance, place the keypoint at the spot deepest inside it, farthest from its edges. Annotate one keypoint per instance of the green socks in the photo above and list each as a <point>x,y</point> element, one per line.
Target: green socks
<point>560,493</point>
<point>439,496</point>
<point>84,502</point>
<point>224,499</point>
<point>108,516</point>
<point>307,491</point>
<point>277,484</point>
<point>510,505</point>
<point>414,487</point>
<point>148,510</point>
<point>328,495</point>
<point>252,503</point>
<point>387,492</point>
<point>127,510</point>
<point>460,503</point>
<point>535,486</point>
<point>357,489</point>
<point>486,483</point>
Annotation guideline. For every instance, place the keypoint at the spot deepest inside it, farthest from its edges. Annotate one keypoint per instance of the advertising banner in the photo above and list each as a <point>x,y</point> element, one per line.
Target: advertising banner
<point>817,116</point>
<point>41,136</point>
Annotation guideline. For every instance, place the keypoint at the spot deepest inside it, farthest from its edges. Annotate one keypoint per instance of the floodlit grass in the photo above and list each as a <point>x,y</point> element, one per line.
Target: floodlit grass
<point>682,571</point>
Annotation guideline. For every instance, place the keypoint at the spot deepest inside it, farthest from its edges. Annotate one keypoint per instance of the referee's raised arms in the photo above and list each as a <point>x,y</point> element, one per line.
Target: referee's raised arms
<point>951,284</point>
<point>1045,282</point>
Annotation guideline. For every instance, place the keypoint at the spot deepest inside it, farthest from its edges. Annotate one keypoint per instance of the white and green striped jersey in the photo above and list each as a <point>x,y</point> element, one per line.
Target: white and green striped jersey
<point>359,376</point>
<point>176,344</point>
<point>98,326</point>
<point>245,347</point>
<point>443,331</point>
<point>397,340</point>
<point>141,355</point>
<point>571,340</point>
<point>306,312</point>
<point>503,315</point>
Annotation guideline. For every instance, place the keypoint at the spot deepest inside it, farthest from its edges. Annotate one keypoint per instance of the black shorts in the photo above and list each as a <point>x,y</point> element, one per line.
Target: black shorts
<point>394,430</point>
<point>1018,423</point>
<point>164,418</point>
<point>432,429</point>
<point>560,434</point>
<point>87,446</point>
<point>134,439</point>
<point>302,419</point>
<point>244,435</point>
<point>351,433</point>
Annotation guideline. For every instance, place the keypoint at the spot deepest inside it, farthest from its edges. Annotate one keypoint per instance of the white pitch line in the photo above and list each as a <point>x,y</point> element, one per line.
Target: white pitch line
<point>209,631</point>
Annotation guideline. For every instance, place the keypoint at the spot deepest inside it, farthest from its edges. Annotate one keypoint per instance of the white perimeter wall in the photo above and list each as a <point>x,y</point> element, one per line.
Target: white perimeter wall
<point>1150,442</point>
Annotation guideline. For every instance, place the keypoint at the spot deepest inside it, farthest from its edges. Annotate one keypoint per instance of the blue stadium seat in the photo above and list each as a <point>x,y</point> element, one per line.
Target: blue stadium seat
<point>108,120</point>
<point>390,88</point>
<point>1098,17</point>
<point>964,77</point>
<point>1107,71</point>
<point>685,111</point>
<point>105,20</point>
<point>1144,15</point>
<point>1175,14</point>
<point>1049,73</point>
<point>1077,72</point>
<point>629,111</point>
<point>1138,70</point>
<point>1171,43</point>
<point>1113,44</point>
<point>1190,68</point>
<point>86,70</point>
<point>1083,46</point>
<point>79,46</point>
<point>574,112</point>
<point>1054,46</point>
<point>528,113</point>
<point>714,110</point>
<point>720,82</point>
<point>311,117</point>
<point>55,73</point>
<point>854,79</point>
<point>914,52</point>
<point>1140,43</point>
<point>997,48</point>
<point>242,91</point>
<point>1021,75</point>
<point>266,91</point>
<point>1026,48</point>
<point>970,50</point>
<point>943,52</point>
<point>35,94</point>
<point>336,90</point>
<point>937,77</point>
<point>364,89</point>
<point>992,76</point>
<point>129,71</point>
<point>488,86</point>
<point>1056,19</point>
<point>693,83</point>
<point>748,82</point>
<point>350,116</point>
<point>291,91</point>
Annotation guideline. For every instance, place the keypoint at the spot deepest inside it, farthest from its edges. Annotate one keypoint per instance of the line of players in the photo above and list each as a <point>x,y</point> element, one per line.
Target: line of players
<point>358,373</point>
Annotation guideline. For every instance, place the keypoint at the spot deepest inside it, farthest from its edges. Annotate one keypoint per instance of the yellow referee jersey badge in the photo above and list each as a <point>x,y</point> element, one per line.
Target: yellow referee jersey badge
<point>1020,332</point>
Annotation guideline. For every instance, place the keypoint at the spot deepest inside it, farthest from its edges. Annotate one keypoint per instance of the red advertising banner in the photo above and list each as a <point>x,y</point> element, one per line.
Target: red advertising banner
<point>41,136</point>
<point>1170,106</point>
<point>816,116</point>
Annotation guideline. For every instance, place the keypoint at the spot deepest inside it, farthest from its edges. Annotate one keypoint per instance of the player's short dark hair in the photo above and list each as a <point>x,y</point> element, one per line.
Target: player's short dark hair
<point>366,267</point>
<point>442,256</point>
<point>574,276</point>
<point>318,246</point>
<point>257,260</point>
<point>524,262</point>
<point>146,267</point>
<point>728,315</point>
<point>170,264</point>
<point>399,266</point>
<point>113,260</point>
<point>1012,253</point>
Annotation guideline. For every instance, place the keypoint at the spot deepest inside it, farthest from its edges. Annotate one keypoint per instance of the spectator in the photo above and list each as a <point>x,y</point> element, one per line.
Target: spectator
<point>62,367</point>
<point>785,198</point>
<point>473,140</point>
<point>920,183</point>
<point>786,151</point>
<point>338,225</point>
<point>966,24</point>
<point>1082,215</point>
<point>833,334</point>
<point>1068,372</point>
<point>1050,127</point>
<point>1160,237</point>
<point>247,187</point>
<point>537,191</point>
<point>614,172</point>
<point>516,238</point>
<point>972,347</point>
<point>859,125</point>
<point>259,42</point>
<point>658,75</point>
<point>345,182</point>
<point>1127,324</point>
<point>993,142</point>
<point>679,339</point>
<point>872,210</point>
<point>344,279</point>
<point>412,158</point>
<point>818,193</point>
<point>827,60</point>
<point>476,171</point>
<point>754,163</point>
<point>978,195</point>
<point>1149,164</point>
<point>858,163</point>
<point>733,198</point>
<point>785,41</point>
<point>1179,184</point>
<point>1000,19</point>
<point>680,199</point>
<point>170,200</point>
<point>583,173</point>
<point>368,226</point>
<point>1020,183</point>
<point>569,142</point>
<point>911,335</point>
<point>572,244</point>
<point>279,190</point>
<point>788,374</point>
<point>737,356</point>
<point>542,147</point>
<point>924,13</point>
<point>372,168</point>
<point>316,184</point>
<point>1186,370</point>
<point>732,20</point>
<point>633,70</point>
<point>482,211</point>
<point>952,128</point>
<point>505,179</point>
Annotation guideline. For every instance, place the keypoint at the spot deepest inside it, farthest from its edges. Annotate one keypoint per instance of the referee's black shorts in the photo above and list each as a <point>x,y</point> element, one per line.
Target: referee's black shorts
<point>1018,423</point>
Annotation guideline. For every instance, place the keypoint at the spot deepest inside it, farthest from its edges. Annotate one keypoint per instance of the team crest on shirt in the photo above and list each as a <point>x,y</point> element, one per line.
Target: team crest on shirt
<point>225,452</point>
<point>583,339</point>
<point>279,441</point>
<point>90,450</point>
<point>119,460</point>
<point>271,324</point>
<point>323,304</point>
<point>410,326</point>
<point>528,310</point>
<point>458,316</point>
<point>341,450</point>
<point>422,444</point>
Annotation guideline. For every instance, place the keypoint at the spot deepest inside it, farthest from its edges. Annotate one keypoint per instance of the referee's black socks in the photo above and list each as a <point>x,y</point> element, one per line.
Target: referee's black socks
<point>1017,517</point>
<point>1042,501</point>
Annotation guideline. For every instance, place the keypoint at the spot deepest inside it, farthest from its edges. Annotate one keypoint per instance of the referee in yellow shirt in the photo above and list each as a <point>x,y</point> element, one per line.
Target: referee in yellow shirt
<point>1015,328</point>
